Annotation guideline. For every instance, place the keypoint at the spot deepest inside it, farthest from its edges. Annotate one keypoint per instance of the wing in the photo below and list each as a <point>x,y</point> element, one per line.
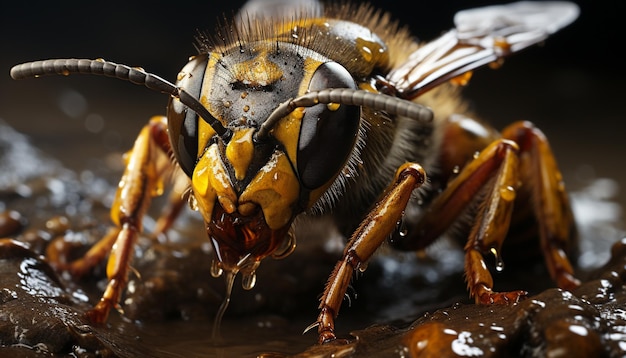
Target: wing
<point>482,36</point>
<point>279,9</point>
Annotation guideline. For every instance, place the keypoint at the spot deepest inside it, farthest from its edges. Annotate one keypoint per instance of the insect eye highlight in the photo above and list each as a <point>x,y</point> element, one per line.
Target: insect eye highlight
<point>327,132</point>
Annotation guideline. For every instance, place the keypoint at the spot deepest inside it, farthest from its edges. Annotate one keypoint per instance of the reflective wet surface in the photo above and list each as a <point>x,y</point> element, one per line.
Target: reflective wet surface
<point>401,306</point>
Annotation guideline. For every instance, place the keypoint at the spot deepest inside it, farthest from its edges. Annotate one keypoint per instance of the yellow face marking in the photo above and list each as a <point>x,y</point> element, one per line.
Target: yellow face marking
<point>310,66</point>
<point>275,189</point>
<point>258,71</point>
<point>240,150</point>
<point>205,131</point>
<point>287,132</point>
<point>210,181</point>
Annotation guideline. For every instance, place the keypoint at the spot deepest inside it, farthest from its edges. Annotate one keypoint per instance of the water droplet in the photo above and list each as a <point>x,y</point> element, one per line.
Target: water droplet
<point>248,280</point>
<point>476,154</point>
<point>403,231</point>
<point>333,106</point>
<point>287,247</point>
<point>456,169</point>
<point>366,52</point>
<point>499,261</point>
<point>193,203</point>
<point>362,266</point>
<point>507,193</point>
<point>216,268</point>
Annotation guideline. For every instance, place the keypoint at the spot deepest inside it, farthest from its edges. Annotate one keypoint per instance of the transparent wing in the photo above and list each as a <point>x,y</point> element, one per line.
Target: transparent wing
<point>280,9</point>
<point>482,36</point>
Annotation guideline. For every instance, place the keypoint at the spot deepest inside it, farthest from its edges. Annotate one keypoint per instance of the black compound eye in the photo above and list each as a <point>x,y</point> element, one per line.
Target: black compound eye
<point>327,132</point>
<point>183,122</point>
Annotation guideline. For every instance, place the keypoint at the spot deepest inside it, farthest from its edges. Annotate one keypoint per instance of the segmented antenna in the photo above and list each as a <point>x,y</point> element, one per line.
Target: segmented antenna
<point>135,75</point>
<point>350,97</point>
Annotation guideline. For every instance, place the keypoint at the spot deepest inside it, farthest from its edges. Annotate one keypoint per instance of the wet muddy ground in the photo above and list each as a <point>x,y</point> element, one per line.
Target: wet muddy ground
<point>401,306</point>
<point>56,184</point>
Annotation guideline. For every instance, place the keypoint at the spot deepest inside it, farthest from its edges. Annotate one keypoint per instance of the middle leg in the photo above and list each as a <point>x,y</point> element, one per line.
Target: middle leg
<point>488,183</point>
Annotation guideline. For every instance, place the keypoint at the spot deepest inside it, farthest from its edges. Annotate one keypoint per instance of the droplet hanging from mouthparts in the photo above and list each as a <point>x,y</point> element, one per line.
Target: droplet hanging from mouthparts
<point>216,268</point>
<point>248,280</point>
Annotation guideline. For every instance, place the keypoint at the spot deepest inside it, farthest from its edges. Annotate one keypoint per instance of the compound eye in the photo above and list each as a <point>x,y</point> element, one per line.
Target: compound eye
<point>183,122</point>
<point>327,132</point>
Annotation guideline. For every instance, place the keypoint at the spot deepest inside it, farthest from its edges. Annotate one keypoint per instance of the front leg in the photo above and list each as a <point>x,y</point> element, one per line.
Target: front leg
<point>146,165</point>
<point>372,232</point>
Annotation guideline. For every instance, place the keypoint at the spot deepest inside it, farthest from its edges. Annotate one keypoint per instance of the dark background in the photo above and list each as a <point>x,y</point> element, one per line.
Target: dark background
<point>572,87</point>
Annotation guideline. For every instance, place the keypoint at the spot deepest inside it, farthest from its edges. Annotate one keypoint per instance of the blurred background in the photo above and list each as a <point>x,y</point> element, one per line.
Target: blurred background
<point>573,87</point>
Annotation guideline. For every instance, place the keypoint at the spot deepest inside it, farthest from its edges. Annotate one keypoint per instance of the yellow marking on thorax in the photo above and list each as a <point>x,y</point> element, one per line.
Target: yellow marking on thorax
<point>372,52</point>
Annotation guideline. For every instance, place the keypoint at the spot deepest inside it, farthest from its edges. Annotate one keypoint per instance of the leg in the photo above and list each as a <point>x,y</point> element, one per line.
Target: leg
<point>372,232</point>
<point>492,178</point>
<point>147,163</point>
<point>177,201</point>
<point>549,199</point>
<point>492,224</point>
<point>522,157</point>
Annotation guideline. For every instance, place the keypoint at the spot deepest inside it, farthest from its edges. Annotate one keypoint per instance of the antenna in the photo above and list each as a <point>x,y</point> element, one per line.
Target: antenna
<point>350,97</point>
<point>135,75</point>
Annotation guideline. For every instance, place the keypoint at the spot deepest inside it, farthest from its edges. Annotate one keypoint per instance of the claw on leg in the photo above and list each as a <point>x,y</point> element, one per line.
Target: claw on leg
<point>109,300</point>
<point>484,295</point>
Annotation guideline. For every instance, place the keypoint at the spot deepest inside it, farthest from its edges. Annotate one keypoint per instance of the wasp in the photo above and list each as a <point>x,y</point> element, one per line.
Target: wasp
<point>336,110</point>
